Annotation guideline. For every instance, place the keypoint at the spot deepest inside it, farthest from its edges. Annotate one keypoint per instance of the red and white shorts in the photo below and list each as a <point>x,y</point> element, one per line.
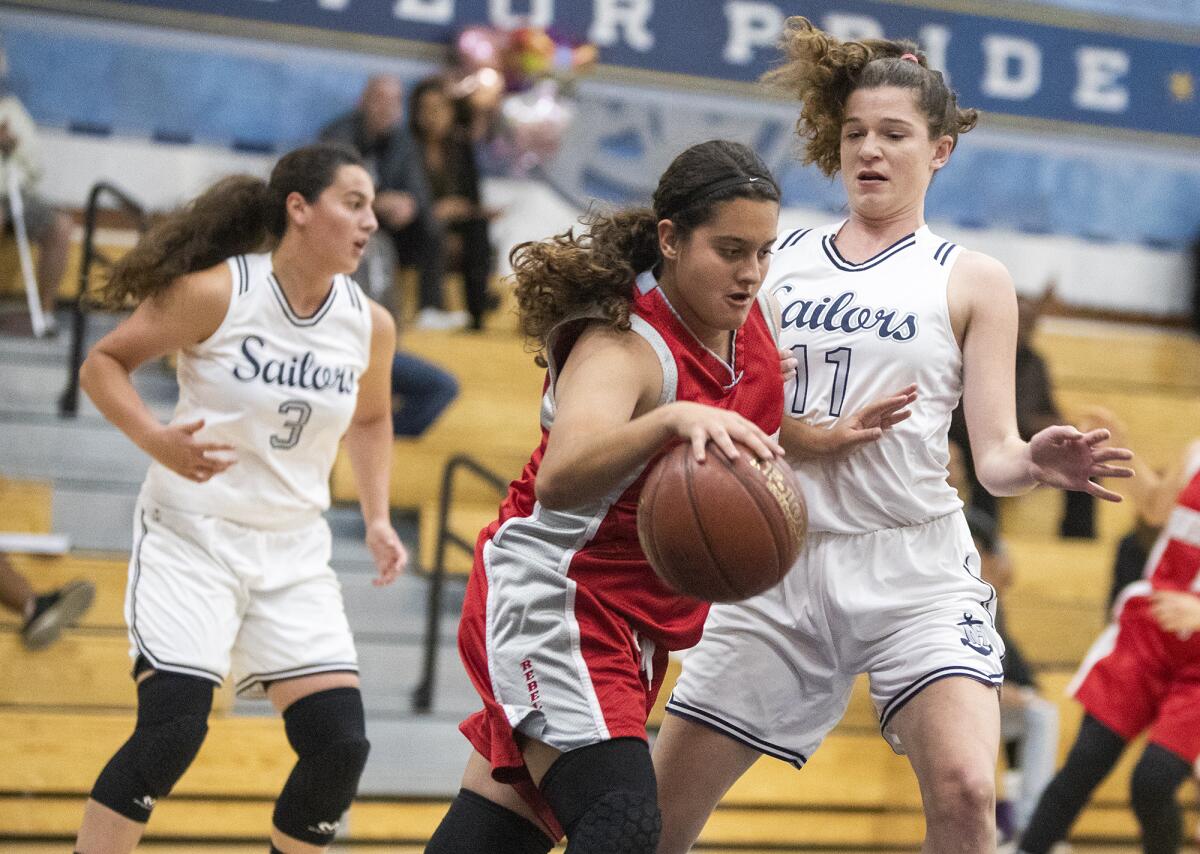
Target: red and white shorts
<point>1137,677</point>
<point>551,663</point>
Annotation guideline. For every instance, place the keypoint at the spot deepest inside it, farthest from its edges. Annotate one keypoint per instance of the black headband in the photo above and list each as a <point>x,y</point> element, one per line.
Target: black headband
<point>723,184</point>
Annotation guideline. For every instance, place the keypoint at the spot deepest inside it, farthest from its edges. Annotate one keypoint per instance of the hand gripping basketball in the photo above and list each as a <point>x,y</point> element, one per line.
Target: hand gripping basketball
<point>721,530</point>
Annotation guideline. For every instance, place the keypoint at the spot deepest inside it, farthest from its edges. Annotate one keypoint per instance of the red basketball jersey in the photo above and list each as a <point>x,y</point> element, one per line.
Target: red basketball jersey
<point>598,546</point>
<point>1174,563</point>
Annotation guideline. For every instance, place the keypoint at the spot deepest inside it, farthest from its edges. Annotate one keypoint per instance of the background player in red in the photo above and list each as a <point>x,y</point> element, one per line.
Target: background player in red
<point>1142,674</point>
<point>653,330</point>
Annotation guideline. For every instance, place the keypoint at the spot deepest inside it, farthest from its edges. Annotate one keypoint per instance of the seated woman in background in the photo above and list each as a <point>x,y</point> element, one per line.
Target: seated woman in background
<point>450,165</point>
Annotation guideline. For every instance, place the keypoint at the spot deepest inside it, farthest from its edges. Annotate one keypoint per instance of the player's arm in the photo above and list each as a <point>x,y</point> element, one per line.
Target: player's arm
<point>607,421</point>
<point>804,441</point>
<point>983,307</point>
<point>368,442</point>
<point>186,313</point>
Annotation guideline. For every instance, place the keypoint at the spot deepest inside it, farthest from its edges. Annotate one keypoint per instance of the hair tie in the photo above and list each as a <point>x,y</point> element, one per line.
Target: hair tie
<point>910,57</point>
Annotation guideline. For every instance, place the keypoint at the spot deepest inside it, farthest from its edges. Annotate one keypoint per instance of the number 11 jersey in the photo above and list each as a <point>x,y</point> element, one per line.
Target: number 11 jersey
<point>281,389</point>
<point>859,332</point>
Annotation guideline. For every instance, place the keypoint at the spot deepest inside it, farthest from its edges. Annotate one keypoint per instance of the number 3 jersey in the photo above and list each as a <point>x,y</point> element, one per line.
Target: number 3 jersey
<point>859,332</point>
<point>278,387</point>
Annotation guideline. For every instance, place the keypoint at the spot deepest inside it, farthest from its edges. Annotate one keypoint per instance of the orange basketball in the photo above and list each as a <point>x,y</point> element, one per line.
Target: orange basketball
<point>721,530</point>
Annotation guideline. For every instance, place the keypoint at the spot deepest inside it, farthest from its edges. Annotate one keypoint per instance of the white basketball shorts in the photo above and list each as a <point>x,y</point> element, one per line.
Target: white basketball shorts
<point>904,605</point>
<point>208,597</point>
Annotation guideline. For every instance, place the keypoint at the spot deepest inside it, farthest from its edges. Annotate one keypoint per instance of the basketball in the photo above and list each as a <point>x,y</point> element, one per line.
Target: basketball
<point>721,530</point>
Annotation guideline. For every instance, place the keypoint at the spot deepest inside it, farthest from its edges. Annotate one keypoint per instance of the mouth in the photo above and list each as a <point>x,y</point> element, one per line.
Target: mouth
<point>360,246</point>
<point>741,299</point>
<point>870,176</point>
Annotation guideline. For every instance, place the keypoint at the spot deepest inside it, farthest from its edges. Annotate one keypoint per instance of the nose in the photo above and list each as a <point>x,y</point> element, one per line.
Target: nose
<point>869,149</point>
<point>370,223</point>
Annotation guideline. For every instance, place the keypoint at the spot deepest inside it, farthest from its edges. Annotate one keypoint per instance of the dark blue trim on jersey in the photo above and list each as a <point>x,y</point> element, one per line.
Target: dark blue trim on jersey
<point>244,274</point>
<point>247,682</point>
<point>945,243</point>
<point>942,260</point>
<point>156,662</point>
<point>352,290</point>
<point>793,238</point>
<point>993,680</point>
<point>831,251</point>
<point>708,719</point>
<point>296,320</point>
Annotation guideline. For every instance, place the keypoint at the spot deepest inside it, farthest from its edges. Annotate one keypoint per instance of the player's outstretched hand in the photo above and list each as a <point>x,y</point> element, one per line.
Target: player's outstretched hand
<point>699,424</point>
<point>1067,459</point>
<point>175,446</point>
<point>1176,611</point>
<point>388,552</point>
<point>870,423</point>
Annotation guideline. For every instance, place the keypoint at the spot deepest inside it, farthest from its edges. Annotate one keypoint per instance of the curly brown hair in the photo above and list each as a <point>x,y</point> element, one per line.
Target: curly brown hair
<point>592,271</point>
<point>822,71</point>
<point>236,215</point>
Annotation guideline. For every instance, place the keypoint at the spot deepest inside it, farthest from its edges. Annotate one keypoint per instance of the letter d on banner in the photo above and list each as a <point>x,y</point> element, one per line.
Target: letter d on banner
<point>1013,68</point>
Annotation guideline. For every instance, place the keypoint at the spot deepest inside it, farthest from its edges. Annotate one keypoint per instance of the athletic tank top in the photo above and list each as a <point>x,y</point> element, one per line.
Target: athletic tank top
<point>278,387</point>
<point>596,546</point>
<point>861,331</point>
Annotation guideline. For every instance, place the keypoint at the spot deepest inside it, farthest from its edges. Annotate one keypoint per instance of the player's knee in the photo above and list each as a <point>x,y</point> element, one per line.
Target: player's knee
<point>617,822</point>
<point>606,798</point>
<point>1155,780</point>
<point>961,793</point>
<point>171,725</point>
<point>328,733</point>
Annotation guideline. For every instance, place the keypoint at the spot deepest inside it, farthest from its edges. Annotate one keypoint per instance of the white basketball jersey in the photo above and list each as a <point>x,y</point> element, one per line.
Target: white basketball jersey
<point>860,332</point>
<point>278,387</point>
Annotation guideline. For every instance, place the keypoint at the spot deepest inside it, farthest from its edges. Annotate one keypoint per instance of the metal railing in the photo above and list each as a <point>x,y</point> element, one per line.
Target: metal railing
<point>422,698</point>
<point>68,403</point>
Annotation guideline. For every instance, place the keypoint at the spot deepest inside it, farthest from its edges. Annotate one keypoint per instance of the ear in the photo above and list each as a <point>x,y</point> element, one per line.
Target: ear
<point>941,151</point>
<point>668,240</point>
<point>297,208</point>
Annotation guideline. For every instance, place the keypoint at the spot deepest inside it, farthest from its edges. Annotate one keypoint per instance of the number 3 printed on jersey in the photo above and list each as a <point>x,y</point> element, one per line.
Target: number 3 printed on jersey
<point>840,359</point>
<point>299,412</point>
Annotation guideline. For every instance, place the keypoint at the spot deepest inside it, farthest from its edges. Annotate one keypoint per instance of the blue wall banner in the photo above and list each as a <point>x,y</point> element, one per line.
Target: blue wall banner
<point>1000,65</point>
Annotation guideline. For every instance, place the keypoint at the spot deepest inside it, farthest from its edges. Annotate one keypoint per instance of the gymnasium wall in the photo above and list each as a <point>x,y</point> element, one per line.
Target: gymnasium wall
<point>163,111</point>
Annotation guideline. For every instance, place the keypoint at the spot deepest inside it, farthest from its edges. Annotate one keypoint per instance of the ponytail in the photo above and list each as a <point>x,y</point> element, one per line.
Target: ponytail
<point>238,214</point>
<point>230,218</point>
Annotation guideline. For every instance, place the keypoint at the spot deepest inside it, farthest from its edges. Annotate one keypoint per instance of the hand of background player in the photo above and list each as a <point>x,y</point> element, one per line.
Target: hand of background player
<point>388,551</point>
<point>175,446</point>
<point>869,423</point>
<point>699,424</point>
<point>1067,459</point>
<point>1176,611</point>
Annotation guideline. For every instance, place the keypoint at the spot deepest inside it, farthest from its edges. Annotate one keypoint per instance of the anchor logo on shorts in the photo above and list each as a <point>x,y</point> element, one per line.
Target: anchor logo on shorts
<point>974,636</point>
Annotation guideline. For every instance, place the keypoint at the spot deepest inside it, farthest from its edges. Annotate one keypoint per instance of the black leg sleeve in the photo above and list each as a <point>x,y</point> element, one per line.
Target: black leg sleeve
<point>1095,752</point>
<point>474,825</point>
<point>1153,787</point>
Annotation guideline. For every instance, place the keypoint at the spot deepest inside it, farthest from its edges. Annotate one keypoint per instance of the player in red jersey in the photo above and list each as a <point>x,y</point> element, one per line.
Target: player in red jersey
<point>1142,674</point>
<point>653,330</point>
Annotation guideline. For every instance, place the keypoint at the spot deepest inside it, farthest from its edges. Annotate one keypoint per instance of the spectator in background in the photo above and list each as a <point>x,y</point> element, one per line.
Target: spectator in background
<point>403,201</point>
<point>1036,410</point>
<point>442,134</point>
<point>45,615</point>
<point>420,391</point>
<point>49,228</point>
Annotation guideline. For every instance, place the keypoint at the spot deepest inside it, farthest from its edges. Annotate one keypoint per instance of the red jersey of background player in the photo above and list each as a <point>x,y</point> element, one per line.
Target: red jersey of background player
<point>600,544</point>
<point>1174,562</point>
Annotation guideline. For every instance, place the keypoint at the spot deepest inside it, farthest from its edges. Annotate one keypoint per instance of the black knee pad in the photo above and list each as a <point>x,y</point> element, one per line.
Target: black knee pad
<point>606,798</point>
<point>327,732</point>
<point>172,721</point>
<point>475,824</point>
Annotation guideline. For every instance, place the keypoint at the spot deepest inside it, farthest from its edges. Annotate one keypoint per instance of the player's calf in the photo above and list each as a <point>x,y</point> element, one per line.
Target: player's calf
<point>327,731</point>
